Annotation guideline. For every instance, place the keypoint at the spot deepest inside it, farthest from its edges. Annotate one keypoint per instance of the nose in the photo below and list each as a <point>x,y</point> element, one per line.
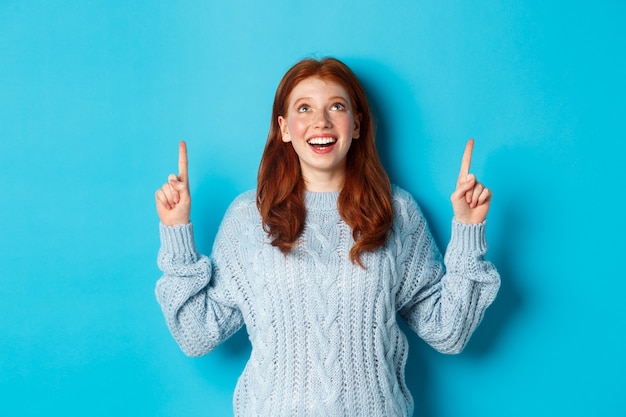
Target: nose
<point>322,119</point>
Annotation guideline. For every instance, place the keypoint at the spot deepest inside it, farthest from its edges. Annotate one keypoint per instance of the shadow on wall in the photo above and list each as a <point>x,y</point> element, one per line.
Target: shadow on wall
<point>517,228</point>
<point>509,299</point>
<point>378,82</point>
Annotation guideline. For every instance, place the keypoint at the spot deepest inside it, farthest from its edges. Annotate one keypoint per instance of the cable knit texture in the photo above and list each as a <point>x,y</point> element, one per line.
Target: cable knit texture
<point>324,332</point>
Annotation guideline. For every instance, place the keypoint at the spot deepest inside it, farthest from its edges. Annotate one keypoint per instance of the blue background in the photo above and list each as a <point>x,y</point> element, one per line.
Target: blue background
<point>94,97</point>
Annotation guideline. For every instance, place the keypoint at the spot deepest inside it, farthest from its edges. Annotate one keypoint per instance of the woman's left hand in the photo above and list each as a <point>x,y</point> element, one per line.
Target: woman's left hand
<point>471,199</point>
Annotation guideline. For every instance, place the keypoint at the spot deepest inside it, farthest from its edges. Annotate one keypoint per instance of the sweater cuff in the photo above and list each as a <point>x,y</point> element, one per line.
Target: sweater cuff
<point>179,242</point>
<point>468,238</point>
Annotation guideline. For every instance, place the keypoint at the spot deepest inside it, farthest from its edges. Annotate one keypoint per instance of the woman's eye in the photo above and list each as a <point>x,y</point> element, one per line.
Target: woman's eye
<point>338,106</point>
<point>303,109</point>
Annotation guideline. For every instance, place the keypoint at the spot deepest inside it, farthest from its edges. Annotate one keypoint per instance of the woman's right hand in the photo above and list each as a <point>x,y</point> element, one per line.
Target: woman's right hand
<point>173,199</point>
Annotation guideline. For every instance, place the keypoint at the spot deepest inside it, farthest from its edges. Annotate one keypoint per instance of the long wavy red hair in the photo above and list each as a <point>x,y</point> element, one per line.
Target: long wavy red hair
<point>365,198</point>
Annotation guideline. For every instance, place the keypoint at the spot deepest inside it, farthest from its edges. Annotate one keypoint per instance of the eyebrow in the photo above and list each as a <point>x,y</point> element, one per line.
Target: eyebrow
<point>330,99</point>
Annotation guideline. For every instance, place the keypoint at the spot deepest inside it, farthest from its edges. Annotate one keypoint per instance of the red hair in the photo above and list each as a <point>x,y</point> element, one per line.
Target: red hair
<point>365,198</point>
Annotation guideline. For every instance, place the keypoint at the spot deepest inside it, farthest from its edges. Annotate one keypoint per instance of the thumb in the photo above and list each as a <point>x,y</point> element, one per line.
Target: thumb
<point>464,187</point>
<point>176,183</point>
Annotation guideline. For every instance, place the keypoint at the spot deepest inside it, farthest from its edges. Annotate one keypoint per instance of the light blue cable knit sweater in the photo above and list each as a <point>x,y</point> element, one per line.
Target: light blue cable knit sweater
<point>325,340</point>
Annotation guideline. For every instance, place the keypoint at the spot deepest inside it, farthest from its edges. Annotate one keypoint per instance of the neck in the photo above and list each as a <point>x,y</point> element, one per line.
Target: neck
<point>324,181</point>
<point>323,184</point>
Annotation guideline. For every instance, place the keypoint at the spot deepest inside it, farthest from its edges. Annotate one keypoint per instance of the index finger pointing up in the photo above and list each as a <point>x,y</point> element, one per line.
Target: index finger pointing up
<point>182,161</point>
<point>467,160</point>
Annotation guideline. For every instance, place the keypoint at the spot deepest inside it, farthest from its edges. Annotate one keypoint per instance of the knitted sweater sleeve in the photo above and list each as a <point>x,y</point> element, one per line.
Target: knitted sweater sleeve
<point>195,301</point>
<point>443,300</point>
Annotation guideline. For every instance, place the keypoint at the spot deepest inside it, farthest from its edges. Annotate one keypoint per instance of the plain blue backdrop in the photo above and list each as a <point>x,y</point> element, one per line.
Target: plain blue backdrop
<point>94,97</point>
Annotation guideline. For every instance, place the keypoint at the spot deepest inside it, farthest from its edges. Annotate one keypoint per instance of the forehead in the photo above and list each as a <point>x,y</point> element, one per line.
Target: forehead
<point>316,87</point>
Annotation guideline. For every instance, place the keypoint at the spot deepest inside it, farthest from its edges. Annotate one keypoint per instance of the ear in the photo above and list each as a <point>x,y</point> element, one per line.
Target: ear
<point>284,131</point>
<point>356,132</point>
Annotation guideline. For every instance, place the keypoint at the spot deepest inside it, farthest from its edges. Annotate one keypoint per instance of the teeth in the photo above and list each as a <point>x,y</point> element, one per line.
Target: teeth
<point>321,141</point>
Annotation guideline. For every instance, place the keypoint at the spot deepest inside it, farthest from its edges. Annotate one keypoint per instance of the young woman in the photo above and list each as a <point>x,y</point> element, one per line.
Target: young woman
<point>318,261</point>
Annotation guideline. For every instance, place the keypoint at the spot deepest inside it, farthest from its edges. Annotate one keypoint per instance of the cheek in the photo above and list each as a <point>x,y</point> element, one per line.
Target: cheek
<point>297,126</point>
<point>345,123</point>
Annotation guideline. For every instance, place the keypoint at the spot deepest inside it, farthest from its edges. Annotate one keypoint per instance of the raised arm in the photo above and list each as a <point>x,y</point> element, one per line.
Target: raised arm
<point>447,300</point>
<point>197,306</point>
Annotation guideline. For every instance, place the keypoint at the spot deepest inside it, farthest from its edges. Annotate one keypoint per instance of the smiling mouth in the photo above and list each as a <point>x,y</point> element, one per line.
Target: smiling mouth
<point>322,142</point>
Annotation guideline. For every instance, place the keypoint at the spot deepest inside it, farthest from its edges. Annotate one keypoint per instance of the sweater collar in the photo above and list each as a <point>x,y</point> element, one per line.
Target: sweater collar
<point>321,201</point>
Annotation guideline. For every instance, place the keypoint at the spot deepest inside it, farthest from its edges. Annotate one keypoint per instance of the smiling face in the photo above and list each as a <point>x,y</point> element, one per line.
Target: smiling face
<point>320,124</point>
